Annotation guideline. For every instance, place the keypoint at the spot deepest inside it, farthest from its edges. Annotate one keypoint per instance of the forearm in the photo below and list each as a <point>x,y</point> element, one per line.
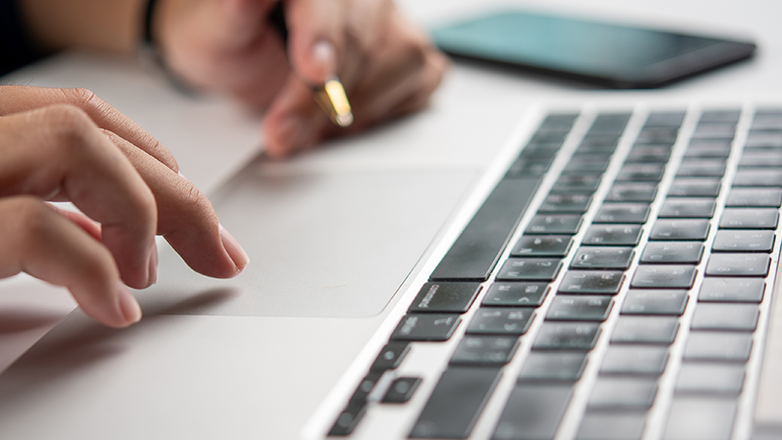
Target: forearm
<point>110,25</point>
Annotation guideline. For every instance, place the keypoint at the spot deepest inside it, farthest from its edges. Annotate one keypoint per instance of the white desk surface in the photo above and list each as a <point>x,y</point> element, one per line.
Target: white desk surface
<point>443,132</point>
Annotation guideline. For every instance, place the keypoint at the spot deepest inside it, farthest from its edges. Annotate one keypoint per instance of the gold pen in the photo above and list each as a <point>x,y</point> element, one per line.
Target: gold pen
<point>331,97</point>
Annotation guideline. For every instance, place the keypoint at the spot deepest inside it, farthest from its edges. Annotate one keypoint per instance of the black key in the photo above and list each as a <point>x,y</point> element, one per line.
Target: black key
<point>710,379</point>
<point>673,252</point>
<point>347,420</point>
<point>743,241</point>
<point>762,218</point>
<point>581,165</point>
<point>769,120</point>
<point>577,203</point>
<point>680,230</point>
<point>554,224</point>
<point>553,367</point>
<point>474,254</point>
<point>592,282</point>
<point>501,321</point>
<point>622,213</point>
<point>603,140</point>
<point>735,317</point>
<point>696,418</point>
<point>401,390</point>
<point>583,183</point>
<point>732,290</point>
<point>763,138</point>
<point>707,153</point>
<point>664,119</point>
<point>701,168</point>
<point>645,329</point>
<point>559,121</point>
<point>641,173</point>
<point>515,294</point>
<point>445,297</point>
<point>649,154</point>
<point>579,308</point>
<point>602,257</point>
<point>730,116</point>
<point>426,327</point>
<point>612,426</point>
<point>714,131</point>
<point>609,123</point>
<point>690,207</point>
<point>655,302</point>
<point>632,192</point>
<point>456,402</point>
<point>533,412</point>
<point>529,269</point>
<point>485,351</point>
<point>390,356</point>
<point>695,187</point>
<point>635,360</point>
<point>653,135</point>
<point>718,346</point>
<point>760,159</point>
<point>613,235</point>
<point>752,265</point>
<point>755,197</point>
<point>542,246</point>
<point>744,177</point>
<point>366,386</point>
<point>567,336</point>
<point>530,167</point>
<point>623,393</point>
<point>664,277</point>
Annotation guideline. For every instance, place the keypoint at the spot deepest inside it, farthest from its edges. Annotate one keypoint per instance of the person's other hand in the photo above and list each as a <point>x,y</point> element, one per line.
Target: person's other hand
<point>67,144</point>
<point>387,65</point>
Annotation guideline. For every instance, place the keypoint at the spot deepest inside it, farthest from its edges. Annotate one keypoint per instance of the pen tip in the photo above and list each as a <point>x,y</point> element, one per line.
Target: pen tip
<point>345,119</point>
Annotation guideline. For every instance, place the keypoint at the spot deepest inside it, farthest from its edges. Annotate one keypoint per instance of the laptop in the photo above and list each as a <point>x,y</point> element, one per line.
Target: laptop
<point>603,270</point>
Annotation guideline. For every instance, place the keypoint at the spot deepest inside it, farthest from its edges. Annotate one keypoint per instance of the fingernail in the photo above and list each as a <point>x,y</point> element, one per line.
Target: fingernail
<point>128,306</point>
<point>293,133</point>
<point>153,262</point>
<point>324,54</point>
<point>237,254</point>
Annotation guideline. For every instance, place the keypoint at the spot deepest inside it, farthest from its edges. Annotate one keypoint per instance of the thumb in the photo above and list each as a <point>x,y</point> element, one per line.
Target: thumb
<point>294,121</point>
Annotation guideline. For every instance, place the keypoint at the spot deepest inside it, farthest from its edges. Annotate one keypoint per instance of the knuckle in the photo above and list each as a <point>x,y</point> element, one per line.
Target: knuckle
<point>84,98</point>
<point>32,220</point>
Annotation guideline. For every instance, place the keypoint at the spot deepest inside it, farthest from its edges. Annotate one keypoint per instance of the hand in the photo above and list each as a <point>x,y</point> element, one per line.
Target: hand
<point>67,144</point>
<point>388,66</point>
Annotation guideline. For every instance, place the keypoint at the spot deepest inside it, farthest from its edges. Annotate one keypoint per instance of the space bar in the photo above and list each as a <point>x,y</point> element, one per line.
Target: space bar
<point>474,254</point>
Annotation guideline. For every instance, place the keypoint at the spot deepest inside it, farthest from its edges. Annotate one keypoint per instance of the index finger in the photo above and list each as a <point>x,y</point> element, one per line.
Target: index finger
<point>317,37</point>
<point>19,99</point>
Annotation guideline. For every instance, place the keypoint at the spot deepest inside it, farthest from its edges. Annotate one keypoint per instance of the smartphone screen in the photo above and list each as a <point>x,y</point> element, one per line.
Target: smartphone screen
<point>608,54</point>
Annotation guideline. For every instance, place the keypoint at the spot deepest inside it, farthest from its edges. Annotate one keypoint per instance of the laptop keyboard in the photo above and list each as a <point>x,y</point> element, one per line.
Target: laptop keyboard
<point>623,303</point>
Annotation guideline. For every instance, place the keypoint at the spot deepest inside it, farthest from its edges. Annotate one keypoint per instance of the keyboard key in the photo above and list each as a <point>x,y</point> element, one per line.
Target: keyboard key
<point>542,246</point>
<point>737,317</point>
<point>456,402</point>
<point>714,131</point>
<point>653,135</point>
<point>366,386</point>
<point>501,321</point>
<point>474,254</point>
<point>718,346</point>
<point>744,241</point>
<point>445,297</point>
<point>700,418</point>
<point>736,218</point>
<point>529,269</point>
<point>530,167</point>
<point>609,123</point>
<point>648,154</point>
<point>613,235</point>
<point>577,203</point>
<point>655,302</point>
<point>592,282</point>
<point>553,366</point>
<point>554,224</point>
<point>401,390</point>
<point>680,230</point>
<point>641,173</point>
<point>732,290</point>
<point>644,360</point>
<point>729,116</point>
<point>515,294</point>
<point>661,277</point>
<point>533,412</point>
<point>760,159</point>
<point>622,213</point>
<point>583,183</point>
<point>426,327</point>
<point>623,393</point>
<point>701,168</point>
<point>761,177</point>
<point>579,308</point>
<point>673,252</point>
<point>390,356</point>
<point>632,192</point>
<point>485,350</point>
<point>602,257</point>
<point>665,119</point>
<point>645,329</point>
<point>612,426</point>
<point>347,420</point>
<point>755,197</point>
<point>567,336</point>
<point>688,208</point>
<point>585,165</point>
<point>738,265</point>
<point>701,187</point>
<point>710,378</point>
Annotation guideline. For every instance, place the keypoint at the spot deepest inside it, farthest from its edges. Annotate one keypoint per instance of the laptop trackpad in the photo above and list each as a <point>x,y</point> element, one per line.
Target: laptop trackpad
<point>319,244</point>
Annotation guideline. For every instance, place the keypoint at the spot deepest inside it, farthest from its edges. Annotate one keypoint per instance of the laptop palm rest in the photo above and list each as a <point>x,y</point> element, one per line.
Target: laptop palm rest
<point>320,244</point>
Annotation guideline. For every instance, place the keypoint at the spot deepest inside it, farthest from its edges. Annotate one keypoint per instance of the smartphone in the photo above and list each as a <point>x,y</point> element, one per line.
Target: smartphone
<point>607,54</point>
